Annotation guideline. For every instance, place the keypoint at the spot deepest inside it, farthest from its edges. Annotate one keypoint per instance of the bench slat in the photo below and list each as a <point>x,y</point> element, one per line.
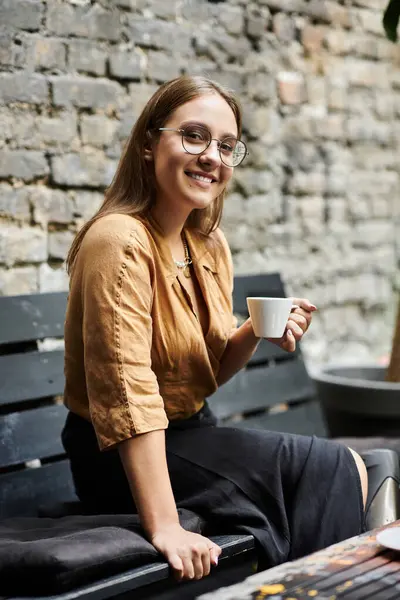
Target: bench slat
<point>266,284</point>
<point>259,387</point>
<point>305,419</point>
<point>32,317</point>
<point>31,434</point>
<point>31,375</point>
<point>22,492</point>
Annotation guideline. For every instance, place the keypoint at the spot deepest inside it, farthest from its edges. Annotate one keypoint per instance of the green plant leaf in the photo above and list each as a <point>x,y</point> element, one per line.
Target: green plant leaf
<point>391,19</point>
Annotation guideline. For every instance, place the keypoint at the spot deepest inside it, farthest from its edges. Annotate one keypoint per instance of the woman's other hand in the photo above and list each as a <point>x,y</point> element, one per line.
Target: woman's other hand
<point>298,323</point>
<point>190,555</point>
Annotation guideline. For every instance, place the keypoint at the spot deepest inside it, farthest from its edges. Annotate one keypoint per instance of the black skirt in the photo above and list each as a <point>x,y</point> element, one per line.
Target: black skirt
<point>295,494</point>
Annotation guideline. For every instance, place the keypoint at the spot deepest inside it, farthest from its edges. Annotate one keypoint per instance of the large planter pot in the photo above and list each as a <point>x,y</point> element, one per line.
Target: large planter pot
<point>357,401</point>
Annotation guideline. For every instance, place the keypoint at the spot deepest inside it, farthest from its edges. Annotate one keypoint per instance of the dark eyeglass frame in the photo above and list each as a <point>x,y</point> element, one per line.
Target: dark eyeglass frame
<point>211,139</point>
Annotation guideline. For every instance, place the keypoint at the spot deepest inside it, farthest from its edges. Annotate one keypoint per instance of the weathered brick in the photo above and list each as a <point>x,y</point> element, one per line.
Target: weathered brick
<point>21,87</point>
<point>257,20</point>
<point>17,281</point>
<point>22,14</point>
<point>297,127</point>
<point>126,65</point>
<point>21,126</point>
<point>370,183</point>
<point>257,121</point>
<point>337,96</point>
<point>140,93</point>
<point>14,202</point>
<point>22,245</point>
<point>86,204</point>
<point>162,35</point>
<point>37,132</point>
<point>368,129</point>
<point>377,4</point>
<point>370,21</point>
<point>331,127</point>
<point>160,8</point>
<point>368,156</point>
<point>337,210</point>
<point>52,279</point>
<point>234,48</point>
<point>196,12</point>
<point>87,56</point>
<point>367,73</point>
<point>51,206</point>
<point>312,213</point>
<point>291,87</point>
<point>11,53</point>
<point>329,12</point>
<point>312,37</point>
<point>263,208</point>
<point>88,168</point>
<point>161,67</point>
<point>316,90</point>
<point>130,106</point>
<point>130,4</point>
<point>253,182</point>
<point>49,53</point>
<point>284,27</point>
<point>6,125</point>
<point>234,210</point>
<point>304,156</point>
<point>59,244</point>
<point>337,181</point>
<point>91,22</point>
<point>261,86</point>
<point>85,92</point>
<point>57,131</point>
<point>232,19</point>
<point>297,6</point>
<point>97,130</point>
<point>339,42</point>
<point>307,183</point>
<point>23,164</point>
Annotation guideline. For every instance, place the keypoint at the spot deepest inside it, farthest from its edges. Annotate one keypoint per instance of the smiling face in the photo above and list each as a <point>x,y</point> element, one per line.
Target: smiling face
<point>185,181</point>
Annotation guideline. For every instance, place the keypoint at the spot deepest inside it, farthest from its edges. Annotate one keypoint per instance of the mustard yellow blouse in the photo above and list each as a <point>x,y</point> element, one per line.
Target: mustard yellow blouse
<point>135,353</point>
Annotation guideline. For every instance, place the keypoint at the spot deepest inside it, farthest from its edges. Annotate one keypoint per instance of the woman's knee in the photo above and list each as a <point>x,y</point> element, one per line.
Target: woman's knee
<point>362,470</point>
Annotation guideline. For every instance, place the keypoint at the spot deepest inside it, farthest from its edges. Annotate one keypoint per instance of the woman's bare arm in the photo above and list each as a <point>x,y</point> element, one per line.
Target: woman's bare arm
<point>144,461</point>
<point>243,343</point>
<point>240,348</point>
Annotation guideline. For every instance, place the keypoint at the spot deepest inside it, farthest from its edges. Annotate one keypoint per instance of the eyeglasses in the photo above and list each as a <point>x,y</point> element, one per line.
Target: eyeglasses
<point>196,139</point>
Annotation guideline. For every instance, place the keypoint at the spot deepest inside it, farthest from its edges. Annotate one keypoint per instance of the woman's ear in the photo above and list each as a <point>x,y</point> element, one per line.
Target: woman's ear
<point>148,154</point>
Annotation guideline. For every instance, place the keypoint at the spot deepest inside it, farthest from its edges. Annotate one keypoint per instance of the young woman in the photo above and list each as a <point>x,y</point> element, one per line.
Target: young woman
<point>150,334</point>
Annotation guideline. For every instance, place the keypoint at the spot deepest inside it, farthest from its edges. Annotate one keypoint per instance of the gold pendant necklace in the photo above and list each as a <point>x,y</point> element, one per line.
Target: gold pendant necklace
<point>184,265</point>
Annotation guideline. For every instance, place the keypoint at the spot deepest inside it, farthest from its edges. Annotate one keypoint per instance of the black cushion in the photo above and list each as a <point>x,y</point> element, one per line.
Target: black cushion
<point>49,556</point>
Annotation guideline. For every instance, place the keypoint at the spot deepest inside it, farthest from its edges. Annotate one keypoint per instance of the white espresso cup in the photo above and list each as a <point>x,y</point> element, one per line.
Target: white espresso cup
<point>269,315</point>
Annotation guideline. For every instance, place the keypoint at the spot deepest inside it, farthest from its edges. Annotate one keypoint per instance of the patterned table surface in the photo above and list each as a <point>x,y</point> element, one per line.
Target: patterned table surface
<point>358,568</point>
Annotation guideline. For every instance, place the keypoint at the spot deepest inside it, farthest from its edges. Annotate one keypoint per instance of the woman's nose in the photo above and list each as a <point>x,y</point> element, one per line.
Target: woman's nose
<point>211,154</point>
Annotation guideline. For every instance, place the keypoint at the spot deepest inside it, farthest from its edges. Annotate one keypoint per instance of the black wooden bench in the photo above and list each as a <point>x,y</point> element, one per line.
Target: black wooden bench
<point>273,392</point>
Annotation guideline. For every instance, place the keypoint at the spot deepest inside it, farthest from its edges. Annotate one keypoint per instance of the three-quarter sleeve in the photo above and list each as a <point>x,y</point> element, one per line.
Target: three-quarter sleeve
<point>117,274</point>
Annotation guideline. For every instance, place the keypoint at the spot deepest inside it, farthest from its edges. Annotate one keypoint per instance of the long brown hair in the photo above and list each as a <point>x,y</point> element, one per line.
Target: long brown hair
<point>132,188</point>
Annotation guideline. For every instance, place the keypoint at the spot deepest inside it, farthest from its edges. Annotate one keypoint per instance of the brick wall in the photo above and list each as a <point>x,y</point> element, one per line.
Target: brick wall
<point>318,197</point>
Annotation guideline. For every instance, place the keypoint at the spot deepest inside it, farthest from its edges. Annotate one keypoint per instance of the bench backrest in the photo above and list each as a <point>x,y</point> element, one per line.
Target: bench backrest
<point>33,468</point>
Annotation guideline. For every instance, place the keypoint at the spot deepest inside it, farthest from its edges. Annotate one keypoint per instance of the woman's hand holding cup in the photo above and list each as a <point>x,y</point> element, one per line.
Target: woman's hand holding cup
<point>282,321</point>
